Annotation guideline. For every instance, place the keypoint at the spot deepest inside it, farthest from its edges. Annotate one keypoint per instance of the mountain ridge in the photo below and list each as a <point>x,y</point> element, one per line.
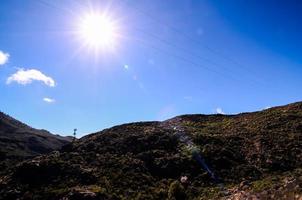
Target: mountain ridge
<point>18,141</point>
<point>255,155</point>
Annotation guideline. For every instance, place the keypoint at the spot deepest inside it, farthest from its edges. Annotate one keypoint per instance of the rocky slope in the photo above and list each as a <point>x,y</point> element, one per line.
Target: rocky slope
<point>246,156</point>
<point>19,141</point>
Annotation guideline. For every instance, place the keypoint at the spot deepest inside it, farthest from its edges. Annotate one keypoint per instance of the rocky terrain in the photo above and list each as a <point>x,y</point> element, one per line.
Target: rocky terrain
<point>19,141</point>
<point>246,156</point>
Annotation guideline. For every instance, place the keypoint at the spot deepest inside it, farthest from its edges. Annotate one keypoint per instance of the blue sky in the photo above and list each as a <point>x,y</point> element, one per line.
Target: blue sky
<point>173,57</point>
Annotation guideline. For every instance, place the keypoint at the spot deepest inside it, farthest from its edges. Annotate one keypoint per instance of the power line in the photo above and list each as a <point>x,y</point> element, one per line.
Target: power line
<point>167,43</point>
<point>188,60</point>
<point>191,38</point>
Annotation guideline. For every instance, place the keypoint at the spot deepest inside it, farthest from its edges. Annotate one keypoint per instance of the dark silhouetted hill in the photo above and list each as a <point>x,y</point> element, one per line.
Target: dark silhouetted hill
<point>19,141</point>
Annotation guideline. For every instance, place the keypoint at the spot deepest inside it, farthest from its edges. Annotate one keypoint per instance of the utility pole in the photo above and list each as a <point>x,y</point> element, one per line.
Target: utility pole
<point>74,134</point>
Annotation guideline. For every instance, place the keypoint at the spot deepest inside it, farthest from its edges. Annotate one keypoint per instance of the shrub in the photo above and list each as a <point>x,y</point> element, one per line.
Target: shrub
<point>176,191</point>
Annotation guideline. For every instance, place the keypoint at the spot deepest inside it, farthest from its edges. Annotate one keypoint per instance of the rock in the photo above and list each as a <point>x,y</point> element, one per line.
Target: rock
<point>245,187</point>
<point>264,193</point>
<point>242,183</point>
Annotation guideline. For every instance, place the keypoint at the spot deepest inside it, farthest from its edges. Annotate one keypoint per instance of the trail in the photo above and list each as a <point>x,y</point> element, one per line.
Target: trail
<point>184,138</point>
<point>191,147</point>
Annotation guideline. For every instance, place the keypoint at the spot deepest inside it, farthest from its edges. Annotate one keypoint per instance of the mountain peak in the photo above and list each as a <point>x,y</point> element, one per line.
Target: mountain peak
<point>249,155</point>
<point>19,141</point>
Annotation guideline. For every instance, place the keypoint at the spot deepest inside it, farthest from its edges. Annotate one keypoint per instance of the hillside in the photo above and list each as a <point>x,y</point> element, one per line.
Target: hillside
<point>19,141</point>
<point>251,155</point>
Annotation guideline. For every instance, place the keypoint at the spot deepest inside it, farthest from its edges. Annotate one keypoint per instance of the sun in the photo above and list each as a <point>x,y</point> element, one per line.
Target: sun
<point>98,31</point>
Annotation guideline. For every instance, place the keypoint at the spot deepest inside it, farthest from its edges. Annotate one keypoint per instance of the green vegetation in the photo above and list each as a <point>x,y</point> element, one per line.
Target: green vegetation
<point>19,141</point>
<point>253,153</point>
<point>261,185</point>
<point>176,191</point>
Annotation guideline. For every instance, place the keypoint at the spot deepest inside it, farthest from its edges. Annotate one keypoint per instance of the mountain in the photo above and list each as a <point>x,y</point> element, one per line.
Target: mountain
<point>246,156</point>
<point>19,141</point>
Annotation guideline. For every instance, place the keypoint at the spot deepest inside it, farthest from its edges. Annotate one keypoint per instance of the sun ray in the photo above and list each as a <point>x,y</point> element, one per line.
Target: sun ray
<point>98,31</point>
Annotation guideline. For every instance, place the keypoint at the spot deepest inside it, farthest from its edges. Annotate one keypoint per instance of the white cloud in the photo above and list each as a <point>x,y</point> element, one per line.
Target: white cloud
<point>219,111</point>
<point>48,100</point>
<point>25,77</point>
<point>126,67</point>
<point>3,57</point>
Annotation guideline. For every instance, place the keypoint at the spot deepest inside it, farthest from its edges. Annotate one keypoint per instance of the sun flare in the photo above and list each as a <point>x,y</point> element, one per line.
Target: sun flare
<point>98,31</point>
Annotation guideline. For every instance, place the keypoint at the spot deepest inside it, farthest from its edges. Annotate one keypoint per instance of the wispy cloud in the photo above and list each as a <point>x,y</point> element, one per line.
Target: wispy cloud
<point>3,57</point>
<point>219,111</point>
<point>188,98</point>
<point>25,77</point>
<point>151,61</point>
<point>166,112</point>
<point>48,100</point>
<point>200,31</point>
<point>126,67</point>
